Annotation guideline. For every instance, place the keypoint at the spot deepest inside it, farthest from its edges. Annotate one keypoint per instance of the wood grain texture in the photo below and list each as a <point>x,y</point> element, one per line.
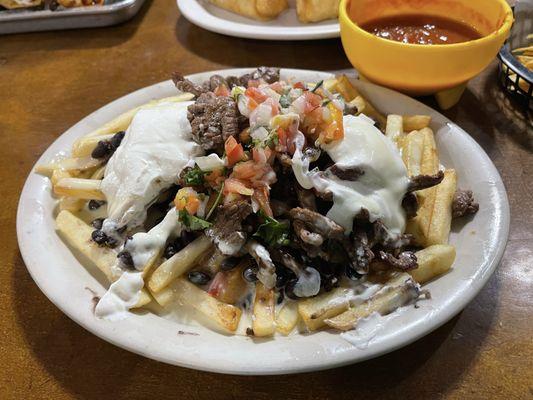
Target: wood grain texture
<point>51,80</point>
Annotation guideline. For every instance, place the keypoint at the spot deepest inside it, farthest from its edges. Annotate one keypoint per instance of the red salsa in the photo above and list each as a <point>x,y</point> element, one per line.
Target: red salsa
<point>421,29</point>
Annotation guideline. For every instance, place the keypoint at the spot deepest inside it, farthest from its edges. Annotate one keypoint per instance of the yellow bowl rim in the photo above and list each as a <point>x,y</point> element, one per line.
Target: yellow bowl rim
<point>502,30</point>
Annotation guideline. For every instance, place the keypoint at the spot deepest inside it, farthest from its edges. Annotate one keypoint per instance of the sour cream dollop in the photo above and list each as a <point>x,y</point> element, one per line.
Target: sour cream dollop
<point>381,188</point>
<point>157,146</point>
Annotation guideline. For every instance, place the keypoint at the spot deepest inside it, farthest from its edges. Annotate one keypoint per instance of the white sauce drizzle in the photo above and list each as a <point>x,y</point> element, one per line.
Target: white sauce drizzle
<point>380,190</point>
<point>157,146</point>
<point>122,295</point>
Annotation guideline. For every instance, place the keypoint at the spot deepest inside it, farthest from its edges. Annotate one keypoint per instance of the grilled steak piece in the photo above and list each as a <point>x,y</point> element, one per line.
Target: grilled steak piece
<point>405,261</point>
<point>359,251</point>
<point>306,198</point>
<point>410,205</point>
<point>214,82</point>
<point>464,204</point>
<point>345,174</point>
<point>317,223</point>
<point>213,120</point>
<point>269,75</point>
<point>186,85</point>
<point>227,232</point>
<point>421,182</point>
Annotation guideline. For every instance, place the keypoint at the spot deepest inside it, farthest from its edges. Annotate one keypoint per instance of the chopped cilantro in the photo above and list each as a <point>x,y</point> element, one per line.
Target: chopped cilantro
<point>193,222</point>
<point>273,232</point>
<point>317,86</point>
<point>194,176</point>
<point>216,203</point>
<point>272,140</point>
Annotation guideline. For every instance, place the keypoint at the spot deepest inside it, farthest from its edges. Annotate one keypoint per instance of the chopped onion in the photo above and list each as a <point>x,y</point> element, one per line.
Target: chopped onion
<point>209,163</point>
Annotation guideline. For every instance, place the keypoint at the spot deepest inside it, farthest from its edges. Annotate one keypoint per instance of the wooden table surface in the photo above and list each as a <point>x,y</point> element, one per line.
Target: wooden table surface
<point>49,81</point>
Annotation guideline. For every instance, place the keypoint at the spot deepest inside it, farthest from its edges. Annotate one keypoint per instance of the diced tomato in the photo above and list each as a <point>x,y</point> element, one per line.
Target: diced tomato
<point>245,170</point>
<point>234,151</point>
<point>282,137</point>
<point>187,199</point>
<point>258,155</point>
<point>222,91</point>
<point>217,284</point>
<point>298,85</point>
<point>255,94</point>
<point>232,185</point>
<point>277,87</point>
<point>261,195</point>
<point>215,177</point>
<point>312,101</point>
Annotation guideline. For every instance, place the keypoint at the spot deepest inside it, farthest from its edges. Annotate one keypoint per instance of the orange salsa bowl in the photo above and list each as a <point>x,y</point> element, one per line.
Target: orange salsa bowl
<point>422,69</point>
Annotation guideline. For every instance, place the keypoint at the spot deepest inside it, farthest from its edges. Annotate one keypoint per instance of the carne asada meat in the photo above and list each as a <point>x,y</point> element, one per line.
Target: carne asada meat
<point>227,232</point>
<point>405,261</point>
<point>464,204</point>
<point>185,85</point>
<point>421,182</point>
<point>213,119</point>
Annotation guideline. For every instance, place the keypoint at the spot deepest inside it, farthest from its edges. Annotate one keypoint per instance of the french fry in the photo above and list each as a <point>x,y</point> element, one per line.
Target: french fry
<point>85,146</point>
<point>316,309</point>
<point>419,152</point>
<point>178,264</point>
<point>433,261</point>
<point>78,235</point>
<point>415,122</point>
<point>263,323</point>
<point>349,92</point>
<point>99,173</point>
<point>257,9</point>
<point>412,151</point>
<point>394,128</point>
<point>225,315</point>
<point>88,189</point>
<point>72,165</point>
<point>287,318</point>
<point>58,174</point>
<point>71,204</point>
<point>439,226</point>
<point>399,291</point>
<point>122,122</point>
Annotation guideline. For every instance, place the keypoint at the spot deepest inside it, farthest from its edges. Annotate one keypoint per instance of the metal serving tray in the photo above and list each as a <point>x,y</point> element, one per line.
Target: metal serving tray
<point>31,20</point>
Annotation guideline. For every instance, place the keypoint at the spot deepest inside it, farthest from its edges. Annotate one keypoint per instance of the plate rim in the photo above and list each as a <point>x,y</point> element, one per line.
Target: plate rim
<point>197,15</point>
<point>445,315</point>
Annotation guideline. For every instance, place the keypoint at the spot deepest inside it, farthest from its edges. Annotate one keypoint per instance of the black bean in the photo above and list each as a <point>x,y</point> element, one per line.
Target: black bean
<point>199,278</point>
<point>330,282</point>
<point>126,259</point>
<point>250,274</point>
<point>289,289</point>
<point>116,140</point>
<point>95,204</point>
<point>102,150</point>
<point>102,239</point>
<point>99,237</point>
<point>171,249</point>
<point>229,263</point>
<point>352,274</point>
<point>97,223</point>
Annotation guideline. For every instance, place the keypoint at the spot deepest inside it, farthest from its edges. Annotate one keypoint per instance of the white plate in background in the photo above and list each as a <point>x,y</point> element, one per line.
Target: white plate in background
<point>480,245</point>
<point>285,27</point>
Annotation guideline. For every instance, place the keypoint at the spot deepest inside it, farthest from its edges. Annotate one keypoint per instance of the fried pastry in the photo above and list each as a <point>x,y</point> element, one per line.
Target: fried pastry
<point>257,9</point>
<point>317,10</point>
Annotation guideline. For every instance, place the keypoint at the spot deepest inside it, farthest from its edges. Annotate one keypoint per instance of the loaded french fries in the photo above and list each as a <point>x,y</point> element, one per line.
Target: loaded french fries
<point>266,204</point>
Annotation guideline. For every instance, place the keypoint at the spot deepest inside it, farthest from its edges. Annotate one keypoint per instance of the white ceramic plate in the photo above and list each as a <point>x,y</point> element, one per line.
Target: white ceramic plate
<point>480,244</point>
<point>285,27</point>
